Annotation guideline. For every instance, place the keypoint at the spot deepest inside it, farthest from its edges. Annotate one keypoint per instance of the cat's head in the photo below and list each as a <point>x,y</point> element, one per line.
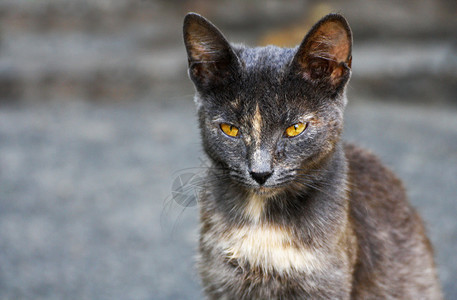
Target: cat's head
<point>269,115</point>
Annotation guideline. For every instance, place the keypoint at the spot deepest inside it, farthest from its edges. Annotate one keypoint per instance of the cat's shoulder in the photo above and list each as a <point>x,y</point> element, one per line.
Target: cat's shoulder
<point>370,178</point>
<point>363,163</point>
<point>376,193</point>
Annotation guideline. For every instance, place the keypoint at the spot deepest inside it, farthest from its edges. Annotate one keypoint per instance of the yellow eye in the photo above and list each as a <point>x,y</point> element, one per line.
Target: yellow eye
<point>229,129</point>
<point>295,129</point>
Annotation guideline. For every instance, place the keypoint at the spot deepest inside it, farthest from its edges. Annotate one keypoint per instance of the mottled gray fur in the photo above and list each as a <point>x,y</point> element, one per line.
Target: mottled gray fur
<point>296,217</point>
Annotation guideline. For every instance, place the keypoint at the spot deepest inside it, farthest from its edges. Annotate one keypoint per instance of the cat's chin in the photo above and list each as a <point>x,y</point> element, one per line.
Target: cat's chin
<point>267,191</point>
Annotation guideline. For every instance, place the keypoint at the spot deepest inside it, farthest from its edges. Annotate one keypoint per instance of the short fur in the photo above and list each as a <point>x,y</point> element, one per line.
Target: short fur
<point>330,221</point>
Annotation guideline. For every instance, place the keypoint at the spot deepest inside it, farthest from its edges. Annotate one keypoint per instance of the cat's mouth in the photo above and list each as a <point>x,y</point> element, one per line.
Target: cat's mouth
<point>265,190</point>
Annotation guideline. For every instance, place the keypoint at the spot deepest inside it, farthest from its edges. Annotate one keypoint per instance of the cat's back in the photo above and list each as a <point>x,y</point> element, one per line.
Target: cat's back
<point>395,259</point>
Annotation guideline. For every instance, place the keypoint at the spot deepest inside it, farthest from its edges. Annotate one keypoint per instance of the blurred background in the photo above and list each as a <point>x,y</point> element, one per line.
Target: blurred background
<point>98,129</point>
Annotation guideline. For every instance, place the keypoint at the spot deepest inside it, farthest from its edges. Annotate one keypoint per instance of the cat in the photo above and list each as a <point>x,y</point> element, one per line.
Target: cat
<point>290,211</point>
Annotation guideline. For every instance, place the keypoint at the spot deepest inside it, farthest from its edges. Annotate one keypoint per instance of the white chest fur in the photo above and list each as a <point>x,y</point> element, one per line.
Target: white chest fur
<point>269,247</point>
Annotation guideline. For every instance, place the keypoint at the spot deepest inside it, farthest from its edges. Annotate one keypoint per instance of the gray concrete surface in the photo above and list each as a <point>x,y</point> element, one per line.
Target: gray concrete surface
<point>85,193</point>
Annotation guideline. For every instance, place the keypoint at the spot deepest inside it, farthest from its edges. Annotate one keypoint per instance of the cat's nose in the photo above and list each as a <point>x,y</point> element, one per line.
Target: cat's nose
<point>261,177</point>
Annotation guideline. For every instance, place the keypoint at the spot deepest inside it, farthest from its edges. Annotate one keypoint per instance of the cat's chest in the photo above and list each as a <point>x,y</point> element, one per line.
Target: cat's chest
<point>269,247</point>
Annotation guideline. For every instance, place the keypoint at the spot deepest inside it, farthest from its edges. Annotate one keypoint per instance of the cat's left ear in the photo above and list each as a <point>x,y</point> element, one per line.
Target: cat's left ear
<point>325,56</point>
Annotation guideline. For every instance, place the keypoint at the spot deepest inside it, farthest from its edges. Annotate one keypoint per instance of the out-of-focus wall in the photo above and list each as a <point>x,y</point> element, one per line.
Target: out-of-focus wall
<point>115,50</point>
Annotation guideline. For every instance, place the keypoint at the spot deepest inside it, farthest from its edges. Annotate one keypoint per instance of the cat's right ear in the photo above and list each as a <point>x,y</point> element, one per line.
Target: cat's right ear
<point>212,61</point>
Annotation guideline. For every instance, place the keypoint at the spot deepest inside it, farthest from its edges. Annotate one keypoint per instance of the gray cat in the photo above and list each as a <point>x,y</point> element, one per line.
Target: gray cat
<point>289,211</point>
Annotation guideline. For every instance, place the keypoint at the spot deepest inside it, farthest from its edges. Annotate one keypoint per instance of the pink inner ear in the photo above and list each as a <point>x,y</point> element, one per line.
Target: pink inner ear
<point>201,52</point>
<point>205,45</point>
<point>199,43</point>
<point>327,52</point>
<point>330,41</point>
